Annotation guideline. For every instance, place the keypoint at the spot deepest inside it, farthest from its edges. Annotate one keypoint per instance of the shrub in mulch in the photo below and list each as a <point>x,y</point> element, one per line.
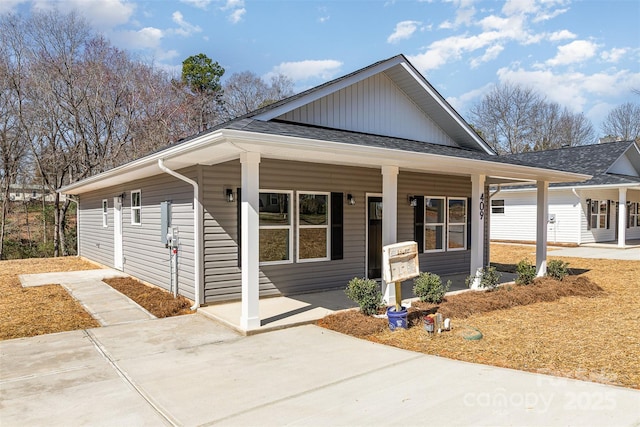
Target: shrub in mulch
<point>157,301</point>
<point>463,305</point>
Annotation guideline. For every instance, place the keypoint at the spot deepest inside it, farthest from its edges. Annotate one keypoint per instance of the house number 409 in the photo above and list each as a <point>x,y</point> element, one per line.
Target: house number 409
<point>481,206</point>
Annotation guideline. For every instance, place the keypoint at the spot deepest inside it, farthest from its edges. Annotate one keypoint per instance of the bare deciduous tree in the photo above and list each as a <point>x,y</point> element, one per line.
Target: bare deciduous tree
<point>513,119</point>
<point>245,92</point>
<point>623,122</point>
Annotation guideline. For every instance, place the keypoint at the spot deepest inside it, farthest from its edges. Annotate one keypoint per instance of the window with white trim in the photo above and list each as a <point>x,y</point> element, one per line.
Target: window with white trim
<point>599,213</point>
<point>313,226</point>
<point>456,224</point>
<point>136,207</point>
<point>497,206</point>
<point>434,224</point>
<point>634,214</point>
<point>105,213</point>
<point>275,227</point>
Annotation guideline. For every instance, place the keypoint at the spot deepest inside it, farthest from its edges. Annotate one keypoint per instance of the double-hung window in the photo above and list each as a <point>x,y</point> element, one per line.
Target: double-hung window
<point>634,214</point>
<point>497,206</point>
<point>105,213</point>
<point>456,224</point>
<point>434,224</point>
<point>275,227</point>
<point>599,213</point>
<point>136,207</point>
<point>313,226</point>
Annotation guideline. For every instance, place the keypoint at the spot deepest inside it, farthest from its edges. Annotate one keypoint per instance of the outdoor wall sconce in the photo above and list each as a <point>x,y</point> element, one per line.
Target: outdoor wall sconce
<point>350,199</point>
<point>413,201</point>
<point>229,196</point>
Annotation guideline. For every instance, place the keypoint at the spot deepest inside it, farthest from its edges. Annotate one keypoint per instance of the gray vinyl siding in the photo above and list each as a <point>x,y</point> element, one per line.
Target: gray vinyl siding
<point>432,185</point>
<point>221,273</point>
<point>145,256</point>
<point>95,241</point>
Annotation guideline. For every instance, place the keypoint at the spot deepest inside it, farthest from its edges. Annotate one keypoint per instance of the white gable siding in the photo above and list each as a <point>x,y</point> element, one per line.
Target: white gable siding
<point>624,166</point>
<point>374,105</point>
<point>518,223</point>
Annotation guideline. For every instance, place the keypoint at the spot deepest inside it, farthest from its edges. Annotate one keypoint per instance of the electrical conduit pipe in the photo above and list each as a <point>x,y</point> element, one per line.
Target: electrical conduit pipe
<point>197,232</point>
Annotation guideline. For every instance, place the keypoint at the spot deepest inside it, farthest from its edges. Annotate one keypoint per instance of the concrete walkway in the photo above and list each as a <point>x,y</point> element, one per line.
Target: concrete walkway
<point>192,371</point>
<point>105,304</point>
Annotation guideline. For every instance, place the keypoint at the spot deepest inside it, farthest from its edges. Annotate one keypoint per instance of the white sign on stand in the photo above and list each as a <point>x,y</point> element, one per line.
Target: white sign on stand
<point>400,262</point>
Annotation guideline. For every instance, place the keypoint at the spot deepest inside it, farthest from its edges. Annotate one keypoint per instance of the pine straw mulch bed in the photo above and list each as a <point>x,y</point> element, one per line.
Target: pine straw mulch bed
<point>592,336</point>
<point>157,301</point>
<point>27,312</point>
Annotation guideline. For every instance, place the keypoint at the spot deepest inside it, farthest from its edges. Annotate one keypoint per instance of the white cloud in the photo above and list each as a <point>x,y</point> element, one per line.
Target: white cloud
<point>324,69</point>
<point>403,31</point>
<point>490,54</point>
<point>145,39</point>
<point>237,10</point>
<point>102,14</point>
<point>460,102</point>
<point>576,51</point>
<point>236,15</point>
<point>186,29</point>
<point>573,89</point>
<point>561,35</point>
<point>613,55</point>
<point>200,4</point>
<point>7,6</point>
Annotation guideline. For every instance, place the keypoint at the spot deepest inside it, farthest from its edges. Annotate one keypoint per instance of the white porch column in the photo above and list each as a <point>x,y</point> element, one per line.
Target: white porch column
<point>250,317</point>
<point>542,204</point>
<point>477,228</point>
<point>389,218</point>
<point>622,217</point>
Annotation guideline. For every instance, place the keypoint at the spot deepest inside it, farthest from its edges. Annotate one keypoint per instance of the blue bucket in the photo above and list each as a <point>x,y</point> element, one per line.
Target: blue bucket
<point>397,319</point>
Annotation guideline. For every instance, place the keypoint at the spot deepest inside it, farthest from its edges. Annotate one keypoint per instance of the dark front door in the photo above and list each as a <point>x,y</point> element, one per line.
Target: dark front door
<point>374,230</point>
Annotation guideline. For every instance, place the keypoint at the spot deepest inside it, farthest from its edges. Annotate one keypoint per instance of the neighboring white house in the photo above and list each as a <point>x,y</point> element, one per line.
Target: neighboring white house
<point>302,195</point>
<point>28,192</point>
<point>605,208</point>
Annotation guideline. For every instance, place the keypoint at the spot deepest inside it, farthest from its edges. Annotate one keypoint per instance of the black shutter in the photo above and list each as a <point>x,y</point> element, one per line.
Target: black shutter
<point>588,214</point>
<point>469,222</point>
<point>418,220</point>
<point>608,214</point>
<point>239,222</point>
<point>628,206</point>
<point>337,226</point>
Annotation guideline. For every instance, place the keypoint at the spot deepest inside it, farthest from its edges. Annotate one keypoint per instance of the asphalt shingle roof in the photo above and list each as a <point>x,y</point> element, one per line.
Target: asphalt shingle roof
<point>592,160</point>
<point>276,127</point>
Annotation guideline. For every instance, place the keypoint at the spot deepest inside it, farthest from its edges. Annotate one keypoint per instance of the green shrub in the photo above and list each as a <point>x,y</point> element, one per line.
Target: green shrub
<point>526,272</point>
<point>366,293</point>
<point>557,269</point>
<point>489,280</point>
<point>428,287</point>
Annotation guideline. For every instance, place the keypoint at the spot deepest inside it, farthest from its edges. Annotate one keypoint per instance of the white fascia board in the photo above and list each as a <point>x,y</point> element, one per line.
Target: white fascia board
<point>577,187</point>
<point>141,168</point>
<point>314,150</point>
<point>331,88</point>
<point>445,106</point>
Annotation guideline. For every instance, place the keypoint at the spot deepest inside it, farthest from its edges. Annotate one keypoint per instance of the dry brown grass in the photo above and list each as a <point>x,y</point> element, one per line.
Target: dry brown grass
<point>26,312</point>
<point>157,301</point>
<point>596,339</point>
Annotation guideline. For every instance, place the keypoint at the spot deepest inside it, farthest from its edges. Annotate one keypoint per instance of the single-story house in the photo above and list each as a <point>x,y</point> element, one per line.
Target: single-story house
<point>604,208</point>
<point>28,192</point>
<point>301,195</point>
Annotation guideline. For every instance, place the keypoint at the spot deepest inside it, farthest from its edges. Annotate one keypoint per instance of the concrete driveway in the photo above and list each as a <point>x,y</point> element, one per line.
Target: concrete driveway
<point>191,370</point>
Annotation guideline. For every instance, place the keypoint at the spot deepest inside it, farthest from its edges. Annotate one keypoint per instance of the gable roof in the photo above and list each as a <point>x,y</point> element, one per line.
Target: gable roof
<point>262,132</point>
<point>597,160</point>
<point>406,78</point>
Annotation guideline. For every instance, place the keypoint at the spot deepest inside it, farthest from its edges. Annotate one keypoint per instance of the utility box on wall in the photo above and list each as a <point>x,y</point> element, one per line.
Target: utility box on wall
<point>165,221</point>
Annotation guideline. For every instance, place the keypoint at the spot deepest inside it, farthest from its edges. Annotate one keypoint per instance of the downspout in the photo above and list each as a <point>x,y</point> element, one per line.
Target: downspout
<point>197,229</point>
<point>495,192</point>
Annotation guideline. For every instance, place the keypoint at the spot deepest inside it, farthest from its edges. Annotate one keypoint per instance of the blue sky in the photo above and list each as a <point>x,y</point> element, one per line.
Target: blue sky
<point>582,54</point>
